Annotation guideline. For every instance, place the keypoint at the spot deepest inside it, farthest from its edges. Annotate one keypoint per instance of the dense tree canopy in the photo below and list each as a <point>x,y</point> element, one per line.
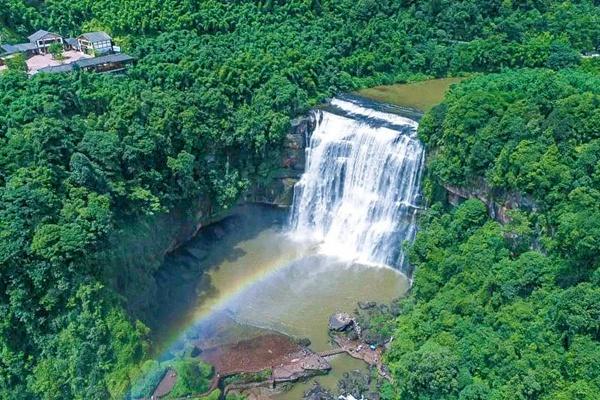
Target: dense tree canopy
<point>508,311</point>
<point>202,114</point>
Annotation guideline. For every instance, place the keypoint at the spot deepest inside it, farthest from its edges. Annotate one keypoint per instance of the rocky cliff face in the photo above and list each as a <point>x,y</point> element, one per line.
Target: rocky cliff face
<point>138,251</point>
<point>278,188</point>
<point>498,203</point>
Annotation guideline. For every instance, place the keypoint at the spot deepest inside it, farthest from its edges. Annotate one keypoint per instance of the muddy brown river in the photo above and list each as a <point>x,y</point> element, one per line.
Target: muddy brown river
<point>251,270</point>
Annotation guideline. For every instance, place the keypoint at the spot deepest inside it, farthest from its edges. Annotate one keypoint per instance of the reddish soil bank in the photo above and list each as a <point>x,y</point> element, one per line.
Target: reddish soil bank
<point>253,355</point>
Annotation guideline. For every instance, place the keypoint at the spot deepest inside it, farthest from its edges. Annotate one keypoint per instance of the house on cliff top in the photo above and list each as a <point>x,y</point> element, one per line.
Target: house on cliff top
<point>93,43</point>
<point>44,39</point>
<point>91,51</point>
<point>39,42</point>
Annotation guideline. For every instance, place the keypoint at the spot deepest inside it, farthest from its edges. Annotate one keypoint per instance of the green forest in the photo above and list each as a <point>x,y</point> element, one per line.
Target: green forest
<point>508,311</point>
<point>497,311</point>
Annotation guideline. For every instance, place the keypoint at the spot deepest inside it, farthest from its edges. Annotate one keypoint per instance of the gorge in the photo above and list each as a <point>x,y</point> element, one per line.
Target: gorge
<point>261,271</point>
<point>146,222</point>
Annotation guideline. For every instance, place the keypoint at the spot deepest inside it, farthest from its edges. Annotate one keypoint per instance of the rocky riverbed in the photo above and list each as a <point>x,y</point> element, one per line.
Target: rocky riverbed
<point>273,357</point>
<point>262,364</point>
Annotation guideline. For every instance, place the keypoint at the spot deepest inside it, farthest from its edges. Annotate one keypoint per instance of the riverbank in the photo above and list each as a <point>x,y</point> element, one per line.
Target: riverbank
<point>421,96</point>
<point>257,270</point>
<point>297,364</point>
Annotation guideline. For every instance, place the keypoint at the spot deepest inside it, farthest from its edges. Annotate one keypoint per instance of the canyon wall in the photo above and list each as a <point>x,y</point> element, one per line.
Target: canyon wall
<point>278,187</point>
<point>137,252</point>
<point>498,203</point>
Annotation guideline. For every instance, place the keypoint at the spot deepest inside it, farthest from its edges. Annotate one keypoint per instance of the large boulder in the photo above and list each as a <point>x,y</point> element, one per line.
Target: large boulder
<point>340,322</point>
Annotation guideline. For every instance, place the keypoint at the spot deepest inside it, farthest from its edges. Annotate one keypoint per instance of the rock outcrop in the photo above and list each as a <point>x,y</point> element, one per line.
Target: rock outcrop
<point>279,354</point>
<point>366,305</point>
<point>340,322</point>
<point>278,188</point>
<point>318,392</point>
<point>498,203</point>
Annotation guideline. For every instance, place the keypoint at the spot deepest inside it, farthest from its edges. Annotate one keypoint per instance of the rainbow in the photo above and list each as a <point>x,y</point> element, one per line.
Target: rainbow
<point>232,287</point>
<point>233,279</point>
<point>209,306</point>
<point>228,293</point>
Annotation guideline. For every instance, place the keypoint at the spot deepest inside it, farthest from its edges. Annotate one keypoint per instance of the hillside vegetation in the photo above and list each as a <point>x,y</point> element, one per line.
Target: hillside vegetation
<point>203,113</point>
<point>508,311</point>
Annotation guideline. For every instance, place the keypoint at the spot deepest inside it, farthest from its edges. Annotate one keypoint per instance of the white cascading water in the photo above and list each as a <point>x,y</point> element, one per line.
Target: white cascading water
<point>359,194</point>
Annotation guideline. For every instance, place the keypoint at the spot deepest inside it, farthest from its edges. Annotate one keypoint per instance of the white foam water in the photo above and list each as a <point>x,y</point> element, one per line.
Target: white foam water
<point>359,194</point>
<point>354,109</point>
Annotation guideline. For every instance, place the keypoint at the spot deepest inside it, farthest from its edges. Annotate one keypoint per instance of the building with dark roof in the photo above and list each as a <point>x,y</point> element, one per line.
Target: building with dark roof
<point>39,42</point>
<point>72,44</point>
<point>18,48</point>
<point>57,68</point>
<point>37,35</point>
<point>95,43</point>
<point>106,63</point>
<point>43,40</point>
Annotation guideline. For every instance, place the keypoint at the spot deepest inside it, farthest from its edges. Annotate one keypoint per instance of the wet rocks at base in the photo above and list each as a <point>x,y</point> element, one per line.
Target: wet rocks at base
<point>340,322</point>
<point>318,392</point>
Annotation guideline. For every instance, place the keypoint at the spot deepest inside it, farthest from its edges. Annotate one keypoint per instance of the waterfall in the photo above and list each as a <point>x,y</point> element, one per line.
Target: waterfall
<point>358,197</point>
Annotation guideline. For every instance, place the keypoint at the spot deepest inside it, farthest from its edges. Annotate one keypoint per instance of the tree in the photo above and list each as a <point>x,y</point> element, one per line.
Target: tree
<point>562,56</point>
<point>57,51</point>
<point>432,373</point>
<point>17,63</point>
